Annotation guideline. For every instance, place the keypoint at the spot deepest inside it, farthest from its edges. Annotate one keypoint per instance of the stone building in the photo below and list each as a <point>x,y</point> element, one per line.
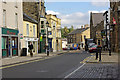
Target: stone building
<point>95,18</point>
<point>55,40</point>
<point>76,36</point>
<point>99,38</point>
<point>30,33</point>
<point>12,22</point>
<point>36,10</point>
<point>115,33</point>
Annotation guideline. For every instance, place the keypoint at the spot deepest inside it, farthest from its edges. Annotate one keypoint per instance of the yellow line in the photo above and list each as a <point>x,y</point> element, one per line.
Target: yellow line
<point>25,62</point>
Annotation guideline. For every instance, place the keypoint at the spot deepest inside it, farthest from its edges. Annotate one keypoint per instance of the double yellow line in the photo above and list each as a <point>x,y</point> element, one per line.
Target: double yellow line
<point>25,62</point>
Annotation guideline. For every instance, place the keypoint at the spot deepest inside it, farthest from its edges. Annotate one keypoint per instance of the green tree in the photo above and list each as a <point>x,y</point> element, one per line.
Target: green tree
<point>65,31</point>
<point>71,29</point>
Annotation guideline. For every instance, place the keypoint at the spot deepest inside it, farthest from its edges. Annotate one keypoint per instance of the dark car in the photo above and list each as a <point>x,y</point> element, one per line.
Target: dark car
<point>93,49</point>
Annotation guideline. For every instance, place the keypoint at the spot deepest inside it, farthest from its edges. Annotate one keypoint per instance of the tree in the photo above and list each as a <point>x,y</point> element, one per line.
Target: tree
<point>71,29</point>
<point>65,31</point>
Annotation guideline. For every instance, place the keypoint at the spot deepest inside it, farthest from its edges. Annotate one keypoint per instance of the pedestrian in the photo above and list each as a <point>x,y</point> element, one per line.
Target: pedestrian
<point>30,49</point>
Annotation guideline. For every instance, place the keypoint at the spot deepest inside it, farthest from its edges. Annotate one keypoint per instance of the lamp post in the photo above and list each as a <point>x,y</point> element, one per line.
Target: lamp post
<point>47,45</point>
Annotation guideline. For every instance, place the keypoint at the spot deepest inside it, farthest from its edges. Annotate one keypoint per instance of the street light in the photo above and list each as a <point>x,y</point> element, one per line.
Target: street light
<point>47,45</point>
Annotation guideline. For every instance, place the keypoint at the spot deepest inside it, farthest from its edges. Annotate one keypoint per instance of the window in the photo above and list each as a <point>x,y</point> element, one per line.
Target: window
<point>4,43</point>
<point>42,24</point>
<point>4,1</point>
<point>34,30</point>
<point>16,5</point>
<point>4,18</point>
<point>16,20</point>
<point>27,29</point>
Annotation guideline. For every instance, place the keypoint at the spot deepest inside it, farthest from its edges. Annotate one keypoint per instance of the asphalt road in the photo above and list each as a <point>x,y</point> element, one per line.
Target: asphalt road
<point>56,67</point>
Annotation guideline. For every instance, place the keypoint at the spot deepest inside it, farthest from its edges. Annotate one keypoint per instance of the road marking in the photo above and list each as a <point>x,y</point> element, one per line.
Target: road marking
<point>74,71</point>
<point>26,62</point>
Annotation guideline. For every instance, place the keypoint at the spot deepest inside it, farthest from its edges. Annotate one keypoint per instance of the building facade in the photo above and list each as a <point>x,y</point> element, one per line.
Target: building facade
<point>115,33</point>
<point>95,18</point>
<point>30,33</point>
<point>77,37</point>
<point>12,22</point>
<point>37,11</point>
<point>84,34</point>
<point>55,25</point>
<point>0,32</point>
<point>64,43</point>
<point>100,40</point>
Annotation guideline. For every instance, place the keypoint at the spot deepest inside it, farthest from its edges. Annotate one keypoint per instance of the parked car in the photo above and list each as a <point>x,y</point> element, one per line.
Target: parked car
<point>91,44</point>
<point>93,49</point>
<point>65,49</point>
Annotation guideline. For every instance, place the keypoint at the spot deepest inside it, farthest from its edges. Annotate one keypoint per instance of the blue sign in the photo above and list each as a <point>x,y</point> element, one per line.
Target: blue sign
<point>75,46</point>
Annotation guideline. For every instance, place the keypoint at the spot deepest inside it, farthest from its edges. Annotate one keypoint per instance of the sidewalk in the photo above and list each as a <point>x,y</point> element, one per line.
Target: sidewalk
<point>105,58</point>
<point>15,60</point>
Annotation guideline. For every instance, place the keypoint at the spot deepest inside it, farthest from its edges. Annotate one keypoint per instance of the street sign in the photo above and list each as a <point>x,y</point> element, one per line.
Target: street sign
<point>41,38</point>
<point>21,36</point>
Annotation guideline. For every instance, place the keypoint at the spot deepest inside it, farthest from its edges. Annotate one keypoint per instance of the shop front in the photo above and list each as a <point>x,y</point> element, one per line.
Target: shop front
<point>9,42</point>
<point>34,42</point>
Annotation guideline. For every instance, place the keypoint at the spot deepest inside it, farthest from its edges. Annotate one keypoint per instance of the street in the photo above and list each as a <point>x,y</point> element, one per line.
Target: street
<point>63,66</point>
<point>57,67</point>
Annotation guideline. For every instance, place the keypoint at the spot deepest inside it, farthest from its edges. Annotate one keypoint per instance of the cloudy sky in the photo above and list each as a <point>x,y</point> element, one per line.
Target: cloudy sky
<point>75,13</point>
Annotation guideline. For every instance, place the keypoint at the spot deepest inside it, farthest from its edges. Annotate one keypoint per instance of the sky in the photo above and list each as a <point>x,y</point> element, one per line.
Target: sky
<point>75,13</point>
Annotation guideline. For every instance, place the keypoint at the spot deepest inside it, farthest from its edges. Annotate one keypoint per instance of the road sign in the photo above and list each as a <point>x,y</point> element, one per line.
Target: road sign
<point>41,38</point>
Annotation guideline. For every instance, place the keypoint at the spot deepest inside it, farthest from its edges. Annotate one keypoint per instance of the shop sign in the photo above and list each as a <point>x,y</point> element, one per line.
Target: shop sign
<point>9,31</point>
<point>21,36</point>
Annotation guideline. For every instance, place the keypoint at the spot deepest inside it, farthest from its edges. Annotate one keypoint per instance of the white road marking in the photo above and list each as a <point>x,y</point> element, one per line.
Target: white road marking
<point>74,71</point>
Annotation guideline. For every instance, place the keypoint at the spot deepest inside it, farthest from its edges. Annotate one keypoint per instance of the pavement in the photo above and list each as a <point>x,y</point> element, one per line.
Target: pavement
<point>105,58</point>
<point>17,59</point>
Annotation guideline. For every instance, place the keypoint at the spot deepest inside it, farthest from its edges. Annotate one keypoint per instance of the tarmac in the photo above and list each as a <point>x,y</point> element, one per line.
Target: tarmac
<point>21,59</point>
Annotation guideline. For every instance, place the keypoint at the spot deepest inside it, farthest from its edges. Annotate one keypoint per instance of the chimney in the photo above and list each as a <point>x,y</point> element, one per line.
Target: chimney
<point>81,27</point>
<point>86,26</point>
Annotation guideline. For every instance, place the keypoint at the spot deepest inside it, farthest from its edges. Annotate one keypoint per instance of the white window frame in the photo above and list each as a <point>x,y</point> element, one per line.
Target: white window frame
<point>34,32</point>
<point>27,29</point>
<point>4,18</point>
<point>16,20</point>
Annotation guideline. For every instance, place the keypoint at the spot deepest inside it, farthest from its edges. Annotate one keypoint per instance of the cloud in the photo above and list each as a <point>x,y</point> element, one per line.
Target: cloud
<point>52,12</point>
<point>76,19</point>
<point>102,11</point>
<point>101,3</point>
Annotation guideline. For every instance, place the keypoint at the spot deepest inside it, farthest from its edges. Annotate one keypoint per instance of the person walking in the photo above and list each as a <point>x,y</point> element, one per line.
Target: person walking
<point>30,48</point>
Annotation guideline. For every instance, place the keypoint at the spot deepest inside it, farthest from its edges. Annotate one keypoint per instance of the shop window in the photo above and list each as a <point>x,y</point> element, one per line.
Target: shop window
<point>4,43</point>
<point>34,47</point>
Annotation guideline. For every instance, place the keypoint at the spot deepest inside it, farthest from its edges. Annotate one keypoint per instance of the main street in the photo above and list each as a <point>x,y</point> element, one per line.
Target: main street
<point>57,67</point>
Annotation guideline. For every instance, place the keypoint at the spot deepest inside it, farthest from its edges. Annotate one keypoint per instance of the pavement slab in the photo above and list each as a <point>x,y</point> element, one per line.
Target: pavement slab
<point>97,71</point>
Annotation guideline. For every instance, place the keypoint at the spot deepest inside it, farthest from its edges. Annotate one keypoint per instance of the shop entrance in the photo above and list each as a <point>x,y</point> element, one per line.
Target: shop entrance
<point>14,46</point>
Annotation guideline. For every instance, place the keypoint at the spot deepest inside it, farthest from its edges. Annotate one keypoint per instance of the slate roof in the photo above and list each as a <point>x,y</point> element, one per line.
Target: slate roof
<point>29,19</point>
<point>77,31</point>
<point>97,18</point>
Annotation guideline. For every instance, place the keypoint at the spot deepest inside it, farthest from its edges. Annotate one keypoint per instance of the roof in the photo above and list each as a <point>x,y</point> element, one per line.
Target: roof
<point>77,31</point>
<point>29,19</point>
<point>97,18</point>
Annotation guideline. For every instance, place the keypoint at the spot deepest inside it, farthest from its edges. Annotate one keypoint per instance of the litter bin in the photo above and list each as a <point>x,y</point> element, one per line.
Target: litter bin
<point>24,52</point>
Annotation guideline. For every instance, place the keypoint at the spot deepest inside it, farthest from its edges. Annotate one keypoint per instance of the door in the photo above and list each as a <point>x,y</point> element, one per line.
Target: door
<point>14,43</point>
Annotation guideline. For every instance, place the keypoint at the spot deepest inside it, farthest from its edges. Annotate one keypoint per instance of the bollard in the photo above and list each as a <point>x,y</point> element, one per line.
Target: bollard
<point>47,52</point>
<point>109,52</point>
<point>97,54</point>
